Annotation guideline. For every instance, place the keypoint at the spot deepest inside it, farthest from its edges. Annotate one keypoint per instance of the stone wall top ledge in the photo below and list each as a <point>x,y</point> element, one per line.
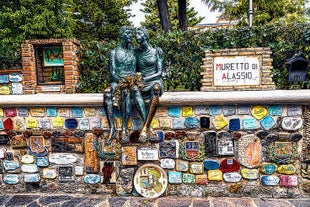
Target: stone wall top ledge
<point>298,97</point>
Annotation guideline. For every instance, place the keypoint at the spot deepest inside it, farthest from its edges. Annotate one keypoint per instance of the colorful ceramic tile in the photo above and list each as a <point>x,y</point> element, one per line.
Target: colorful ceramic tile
<point>267,122</point>
<point>51,111</point>
<point>65,174</point>
<point>249,151</point>
<point>17,88</point>
<point>196,167</point>
<point>268,168</point>
<point>57,122</point>
<point>64,112</point>
<point>294,110</point>
<point>167,163</point>
<point>182,165</point>
<point>174,177</point>
<point>89,112</point>
<point>161,111</point>
<point>229,110</point>
<point>154,123</point>
<point>101,111</point>
<point>27,159</point>
<point>287,169</point>
<point>250,174</point>
<point>9,156</point>
<point>282,152</point>
<point>37,144</point>
<point>164,122</point>
<point>215,110</point>
<point>10,165</point>
<point>84,124</point>
<point>92,178</point>
<point>23,112</point>
<point>129,155</point>
<point>1,124</point>
<point>18,141</point>
<point>147,154</point>
<point>15,77</point>
<point>42,161</point>
<point>48,173</point>
<point>219,122</point>
<point>62,158</point>
<point>10,112</point>
<point>174,111</point>
<point>79,170</point>
<point>250,124</point>
<point>188,178</point>
<point>37,112</point>
<point>67,144</point>
<point>205,122</point>
<point>44,123</point>
<point>201,179</point>
<point>71,123</point>
<point>270,180</point>
<point>234,124</point>
<point>259,112</point>
<point>229,165</point>
<point>31,123</point>
<point>288,180</point>
<point>4,139</point>
<point>210,143</point>
<point>178,123</point>
<point>187,111</point>
<point>215,175</point>
<point>5,90</point>
<point>137,124</point>
<point>32,178</point>
<point>77,112</point>
<point>29,168</point>
<point>91,157</point>
<point>95,123</point>
<point>200,110</point>
<point>192,123</point>
<point>292,123</point>
<point>211,164</point>
<point>1,112</point>
<point>169,149</point>
<point>150,181</point>
<point>4,79</point>
<point>232,177</point>
<point>192,150</point>
<point>11,179</point>
<point>225,146</point>
<point>275,110</point>
<point>2,152</point>
<point>18,124</point>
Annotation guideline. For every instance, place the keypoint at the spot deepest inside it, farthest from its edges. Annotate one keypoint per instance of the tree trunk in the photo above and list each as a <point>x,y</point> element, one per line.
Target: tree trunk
<point>182,15</point>
<point>164,15</point>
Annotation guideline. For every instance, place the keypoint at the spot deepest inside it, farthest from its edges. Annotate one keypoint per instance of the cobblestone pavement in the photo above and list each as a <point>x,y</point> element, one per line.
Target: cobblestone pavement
<point>72,200</point>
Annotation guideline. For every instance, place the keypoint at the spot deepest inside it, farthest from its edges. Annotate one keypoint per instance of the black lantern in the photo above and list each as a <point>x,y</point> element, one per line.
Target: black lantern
<point>297,67</point>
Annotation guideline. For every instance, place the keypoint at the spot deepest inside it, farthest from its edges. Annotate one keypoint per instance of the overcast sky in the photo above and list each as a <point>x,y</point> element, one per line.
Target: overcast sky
<point>201,8</point>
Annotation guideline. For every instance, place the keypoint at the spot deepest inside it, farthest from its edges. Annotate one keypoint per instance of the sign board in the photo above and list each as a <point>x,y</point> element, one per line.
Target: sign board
<point>236,70</point>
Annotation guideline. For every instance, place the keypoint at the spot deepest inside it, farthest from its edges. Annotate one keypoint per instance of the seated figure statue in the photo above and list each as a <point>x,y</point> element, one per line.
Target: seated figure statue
<point>150,65</point>
<point>125,84</point>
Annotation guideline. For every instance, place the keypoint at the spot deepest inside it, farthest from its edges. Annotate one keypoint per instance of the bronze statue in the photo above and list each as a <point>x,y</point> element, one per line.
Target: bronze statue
<point>125,83</point>
<point>150,65</point>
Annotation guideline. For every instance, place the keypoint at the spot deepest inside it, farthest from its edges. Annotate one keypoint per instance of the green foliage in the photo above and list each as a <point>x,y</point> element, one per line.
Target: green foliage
<point>152,22</point>
<point>264,11</point>
<point>94,66</point>
<point>100,19</point>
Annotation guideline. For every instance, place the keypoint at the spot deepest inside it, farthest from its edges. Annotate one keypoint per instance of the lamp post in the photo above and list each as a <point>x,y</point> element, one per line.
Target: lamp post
<point>250,13</point>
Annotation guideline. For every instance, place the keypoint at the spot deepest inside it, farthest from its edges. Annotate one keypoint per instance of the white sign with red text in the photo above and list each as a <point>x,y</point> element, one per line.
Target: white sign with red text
<point>237,70</point>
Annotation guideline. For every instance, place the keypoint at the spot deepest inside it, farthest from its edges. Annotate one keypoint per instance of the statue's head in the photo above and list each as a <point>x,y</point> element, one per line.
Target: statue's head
<point>142,33</point>
<point>125,30</point>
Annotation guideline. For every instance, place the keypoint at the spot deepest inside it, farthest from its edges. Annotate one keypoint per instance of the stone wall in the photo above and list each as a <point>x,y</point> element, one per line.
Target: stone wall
<point>242,146</point>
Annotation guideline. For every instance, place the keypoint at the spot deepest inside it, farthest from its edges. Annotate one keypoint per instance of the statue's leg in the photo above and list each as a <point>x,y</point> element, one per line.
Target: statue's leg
<point>152,109</point>
<point>108,107</point>
<point>137,97</point>
<point>125,111</point>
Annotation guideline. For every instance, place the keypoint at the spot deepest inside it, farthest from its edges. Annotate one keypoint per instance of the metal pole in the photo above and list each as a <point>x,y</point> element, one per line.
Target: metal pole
<point>250,12</point>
